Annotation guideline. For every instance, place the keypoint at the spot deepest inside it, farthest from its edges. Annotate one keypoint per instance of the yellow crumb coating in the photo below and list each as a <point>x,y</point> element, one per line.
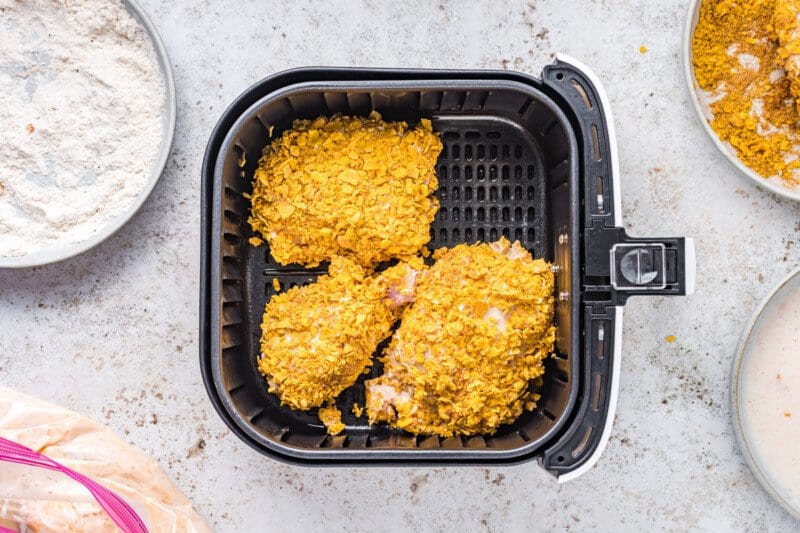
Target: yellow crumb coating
<point>318,339</point>
<point>349,186</point>
<point>746,58</point>
<point>469,346</point>
<point>331,418</point>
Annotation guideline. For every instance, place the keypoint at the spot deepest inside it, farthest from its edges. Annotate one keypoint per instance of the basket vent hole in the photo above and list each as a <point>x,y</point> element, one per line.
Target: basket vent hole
<point>481,152</point>
<point>481,214</point>
<point>582,92</point>
<point>531,193</point>
<point>492,194</point>
<point>517,214</point>
<point>506,194</point>
<point>518,172</point>
<point>468,214</point>
<point>443,172</point>
<point>599,190</point>
<point>506,233</point>
<point>595,143</point>
<point>598,383</point>
<point>450,135</point>
<point>481,173</point>
<point>456,193</point>
<point>600,353</point>
<point>468,152</point>
<point>455,152</point>
<point>230,238</point>
<point>472,134</point>
<point>531,172</point>
<point>506,152</point>
<point>468,194</point>
<point>517,234</point>
<point>582,444</point>
<point>492,234</point>
<point>233,217</point>
<point>493,152</point>
<point>518,151</point>
<point>530,214</point>
<point>456,235</point>
<point>493,135</point>
<point>531,235</point>
<point>468,234</point>
<point>442,235</point>
<point>480,193</point>
<point>493,215</point>
<point>492,173</point>
<point>230,192</point>
<point>505,172</point>
<point>443,193</point>
<point>481,234</point>
<point>442,214</point>
<point>456,214</point>
<point>505,215</point>
<point>456,173</point>
<point>468,173</point>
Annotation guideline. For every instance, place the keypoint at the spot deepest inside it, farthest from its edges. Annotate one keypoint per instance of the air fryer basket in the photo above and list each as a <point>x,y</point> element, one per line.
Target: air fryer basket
<point>524,158</point>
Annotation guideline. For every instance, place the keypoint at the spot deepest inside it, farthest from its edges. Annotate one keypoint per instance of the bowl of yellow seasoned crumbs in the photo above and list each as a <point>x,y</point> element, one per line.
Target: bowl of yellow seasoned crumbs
<point>742,64</point>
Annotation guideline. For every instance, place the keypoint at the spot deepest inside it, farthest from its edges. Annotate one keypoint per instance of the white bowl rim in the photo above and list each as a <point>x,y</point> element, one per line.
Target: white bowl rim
<point>47,256</point>
<point>688,70</point>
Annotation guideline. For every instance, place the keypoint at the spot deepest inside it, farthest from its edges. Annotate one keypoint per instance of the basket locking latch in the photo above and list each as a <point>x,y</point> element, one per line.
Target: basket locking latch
<point>619,266</point>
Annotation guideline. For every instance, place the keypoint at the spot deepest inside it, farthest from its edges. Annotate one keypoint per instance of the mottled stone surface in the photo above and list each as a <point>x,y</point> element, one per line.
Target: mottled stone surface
<point>113,333</point>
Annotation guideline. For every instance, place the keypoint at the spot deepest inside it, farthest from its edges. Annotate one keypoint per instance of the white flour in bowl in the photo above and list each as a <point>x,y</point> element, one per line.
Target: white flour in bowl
<point>80,120</point>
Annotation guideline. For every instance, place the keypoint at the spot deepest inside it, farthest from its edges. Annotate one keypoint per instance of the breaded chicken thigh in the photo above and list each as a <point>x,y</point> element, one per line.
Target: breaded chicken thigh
<point>318,339</point>
<point>351,186</point>
<point>462,360</point>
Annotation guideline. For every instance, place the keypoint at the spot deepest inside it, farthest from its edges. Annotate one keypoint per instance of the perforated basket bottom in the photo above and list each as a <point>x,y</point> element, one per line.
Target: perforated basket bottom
<point>491,184</point>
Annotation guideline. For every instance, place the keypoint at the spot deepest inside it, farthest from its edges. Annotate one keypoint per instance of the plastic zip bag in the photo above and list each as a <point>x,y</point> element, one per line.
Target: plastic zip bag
<point>39,499</point>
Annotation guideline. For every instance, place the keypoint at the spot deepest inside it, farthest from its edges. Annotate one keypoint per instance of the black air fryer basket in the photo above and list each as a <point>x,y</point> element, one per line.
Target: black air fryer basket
<point>529,159</point>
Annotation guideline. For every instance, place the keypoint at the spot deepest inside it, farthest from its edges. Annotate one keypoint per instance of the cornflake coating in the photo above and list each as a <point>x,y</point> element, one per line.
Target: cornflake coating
<point>331,418</point>
<point>467,348</point>
<point>318,339</point>
<point>349,186</point>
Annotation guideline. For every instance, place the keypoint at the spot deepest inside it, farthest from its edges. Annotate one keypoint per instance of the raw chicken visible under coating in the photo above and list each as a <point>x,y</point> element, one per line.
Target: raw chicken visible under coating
<point>466,350</point>
<point>316,340</point>
<point>350,186</point>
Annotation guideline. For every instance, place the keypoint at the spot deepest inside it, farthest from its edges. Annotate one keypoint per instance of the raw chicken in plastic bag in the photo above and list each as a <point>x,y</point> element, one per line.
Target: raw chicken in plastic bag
<point>39,500</point>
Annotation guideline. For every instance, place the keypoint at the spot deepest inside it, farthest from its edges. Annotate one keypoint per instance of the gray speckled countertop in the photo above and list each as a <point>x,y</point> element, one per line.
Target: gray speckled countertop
<point>113,333</point>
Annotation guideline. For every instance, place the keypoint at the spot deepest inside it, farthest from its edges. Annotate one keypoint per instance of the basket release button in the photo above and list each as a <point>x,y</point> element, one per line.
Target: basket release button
<point>639,266</point>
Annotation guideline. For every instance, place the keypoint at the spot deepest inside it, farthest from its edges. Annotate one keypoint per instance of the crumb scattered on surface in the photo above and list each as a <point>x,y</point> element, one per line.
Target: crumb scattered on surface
<point>670,338</point>
<point>255,241</point>
<point>642,49</point>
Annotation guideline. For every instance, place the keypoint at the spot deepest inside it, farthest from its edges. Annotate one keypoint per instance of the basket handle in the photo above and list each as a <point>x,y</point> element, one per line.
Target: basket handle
<point>117,509</point>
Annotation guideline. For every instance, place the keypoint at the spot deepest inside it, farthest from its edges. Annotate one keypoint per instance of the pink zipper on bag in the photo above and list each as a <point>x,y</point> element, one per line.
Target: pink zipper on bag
<point>117,509</point>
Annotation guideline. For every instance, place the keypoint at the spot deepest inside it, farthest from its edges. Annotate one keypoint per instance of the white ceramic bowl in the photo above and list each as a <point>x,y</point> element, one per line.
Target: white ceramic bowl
<point>759,461</point>
<point>773,185</point>
<point>168,125</point>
